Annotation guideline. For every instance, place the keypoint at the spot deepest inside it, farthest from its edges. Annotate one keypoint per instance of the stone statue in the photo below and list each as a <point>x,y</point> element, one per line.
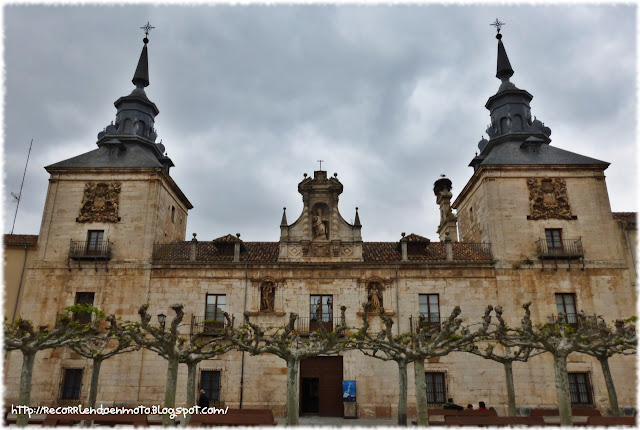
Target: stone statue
<point>320,230</point>
<point>267,299</point>
<point>374,297</point>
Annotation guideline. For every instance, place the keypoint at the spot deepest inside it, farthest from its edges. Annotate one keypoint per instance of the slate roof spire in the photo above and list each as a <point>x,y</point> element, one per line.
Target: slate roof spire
<point>504,70</point>
<point>141,75</point>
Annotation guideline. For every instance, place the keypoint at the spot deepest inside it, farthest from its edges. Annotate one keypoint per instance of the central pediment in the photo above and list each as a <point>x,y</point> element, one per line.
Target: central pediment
<point>320,233</point>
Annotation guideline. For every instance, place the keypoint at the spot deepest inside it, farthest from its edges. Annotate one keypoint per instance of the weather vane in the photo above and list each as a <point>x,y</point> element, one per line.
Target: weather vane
<point>146,29</point>
<point>497,24</point>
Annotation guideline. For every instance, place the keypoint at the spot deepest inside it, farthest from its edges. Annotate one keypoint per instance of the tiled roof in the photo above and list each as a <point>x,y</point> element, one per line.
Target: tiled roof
<point>227,239</point>
<point>267,252</point>
<point>625,216</point>
<point>21,239</point>
<point>415,238</point>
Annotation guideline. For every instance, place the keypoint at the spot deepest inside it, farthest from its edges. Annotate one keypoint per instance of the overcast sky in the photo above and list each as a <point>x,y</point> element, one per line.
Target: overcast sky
<point>250,97</point>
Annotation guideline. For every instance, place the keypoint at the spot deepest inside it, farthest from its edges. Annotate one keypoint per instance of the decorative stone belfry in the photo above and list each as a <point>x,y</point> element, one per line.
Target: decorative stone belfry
<point>320,233</point>
<point>448,227</point>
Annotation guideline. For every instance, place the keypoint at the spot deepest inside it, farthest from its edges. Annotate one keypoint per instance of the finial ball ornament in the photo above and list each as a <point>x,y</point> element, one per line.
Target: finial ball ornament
<point>145,40</point>
<point>498,36</point>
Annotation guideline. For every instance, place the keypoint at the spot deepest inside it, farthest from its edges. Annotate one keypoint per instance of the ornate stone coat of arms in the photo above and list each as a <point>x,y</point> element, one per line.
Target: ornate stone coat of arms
<point>548,198</point>
<point>100,202</point>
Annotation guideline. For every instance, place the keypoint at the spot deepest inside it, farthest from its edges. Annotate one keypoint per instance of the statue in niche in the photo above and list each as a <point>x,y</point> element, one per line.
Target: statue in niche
<point>374,297</point>
<point>100,202</point>
<point>267,297</point>
<point>320,226</point>
<point>548,198</point>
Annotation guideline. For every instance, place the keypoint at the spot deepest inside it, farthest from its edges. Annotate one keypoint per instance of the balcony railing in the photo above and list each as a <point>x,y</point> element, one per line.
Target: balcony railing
<point>208,327</point>
<point>575,320</point>
<point>566,248</point>
<point>306,325</point>
<point>90,250</point>
<point>430,324</point>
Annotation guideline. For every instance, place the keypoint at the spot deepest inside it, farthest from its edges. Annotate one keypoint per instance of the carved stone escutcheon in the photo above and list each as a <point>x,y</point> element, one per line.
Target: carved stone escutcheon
<point>548,198</point>
<point>100,202</point>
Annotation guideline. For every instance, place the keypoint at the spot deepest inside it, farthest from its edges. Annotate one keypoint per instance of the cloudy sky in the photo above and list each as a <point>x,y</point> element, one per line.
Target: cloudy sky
<point>250,97</point>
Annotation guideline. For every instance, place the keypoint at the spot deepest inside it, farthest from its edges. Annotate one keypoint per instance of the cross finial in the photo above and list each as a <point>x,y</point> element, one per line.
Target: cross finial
<point>320,161</point>
<point>497,24</point>
<point>147,28</point>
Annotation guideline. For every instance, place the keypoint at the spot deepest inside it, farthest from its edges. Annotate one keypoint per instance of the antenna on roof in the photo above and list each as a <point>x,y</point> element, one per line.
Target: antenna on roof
<point>19,196</point>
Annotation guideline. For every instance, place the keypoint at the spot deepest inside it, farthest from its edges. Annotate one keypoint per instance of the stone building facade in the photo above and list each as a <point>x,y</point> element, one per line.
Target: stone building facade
<point>533,223</point>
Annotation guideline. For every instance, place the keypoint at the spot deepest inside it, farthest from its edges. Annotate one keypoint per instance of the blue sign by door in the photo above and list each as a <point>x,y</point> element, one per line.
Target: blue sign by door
<point>348,391</point>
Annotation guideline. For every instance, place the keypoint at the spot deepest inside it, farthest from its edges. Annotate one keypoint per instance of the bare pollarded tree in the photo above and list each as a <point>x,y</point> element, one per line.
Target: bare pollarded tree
<point>561,339</point>
<point>417,346</point>
<point>287,343</point>
<point>504,354</point>
<point>99,346</point>
<point>603,342</point>
<point>169,344</point>
<point>22,336</point>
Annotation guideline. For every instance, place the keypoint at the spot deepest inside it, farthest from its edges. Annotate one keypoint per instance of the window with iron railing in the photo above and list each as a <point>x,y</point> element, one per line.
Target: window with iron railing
<point>580,388</point>
<point>429,307</point>
<point>214,311</point>
<point>71,384</point>
<point>566,307</point>
<point>210,383</point>
<point>436,389</point>
<point>321,306</point>
<point>83,299</point>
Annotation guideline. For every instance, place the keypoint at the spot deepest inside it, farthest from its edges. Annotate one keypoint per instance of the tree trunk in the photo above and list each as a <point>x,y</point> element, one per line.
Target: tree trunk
<point>611,389</point>
<point>93,388</point>
<point>292,392</point>
<point>402,397</point>
<point>170,389</point>
<point>191,384</point>
<point>25,386</point>
<point>511,392</point>
<point>421,392</point>
<point>562,387</point>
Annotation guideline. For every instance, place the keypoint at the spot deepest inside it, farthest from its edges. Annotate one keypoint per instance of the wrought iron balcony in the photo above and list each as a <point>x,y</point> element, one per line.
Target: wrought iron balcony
<point>431,324</point>
<point>306,325</point>
<point>576,320</point>
<point>566,248</point>
<point>90,250</point>
<point>562,318</point>
<point>208,327</point>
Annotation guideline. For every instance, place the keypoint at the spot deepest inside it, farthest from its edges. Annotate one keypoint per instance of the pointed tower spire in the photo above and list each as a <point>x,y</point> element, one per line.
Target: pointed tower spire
<point>504,70</point>
<point>141,76</point>
<point>356,223</point>
<point>284,223</point>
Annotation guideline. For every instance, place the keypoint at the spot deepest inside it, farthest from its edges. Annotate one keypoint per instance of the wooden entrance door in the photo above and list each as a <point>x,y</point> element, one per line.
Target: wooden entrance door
<point>326,372</point>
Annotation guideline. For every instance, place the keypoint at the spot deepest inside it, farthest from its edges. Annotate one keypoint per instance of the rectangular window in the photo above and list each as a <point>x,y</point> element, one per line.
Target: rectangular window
<point>94,242</point>
<point>71,384</point>
<point>210,383</point>
<point>324,305</point>
<point>83,299</point>
<point>554,238</point>
<point>580,388</point>
<point>566,306</point>
<point>436,390</point>
<point>429,306</point>
<point>214,312</point>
